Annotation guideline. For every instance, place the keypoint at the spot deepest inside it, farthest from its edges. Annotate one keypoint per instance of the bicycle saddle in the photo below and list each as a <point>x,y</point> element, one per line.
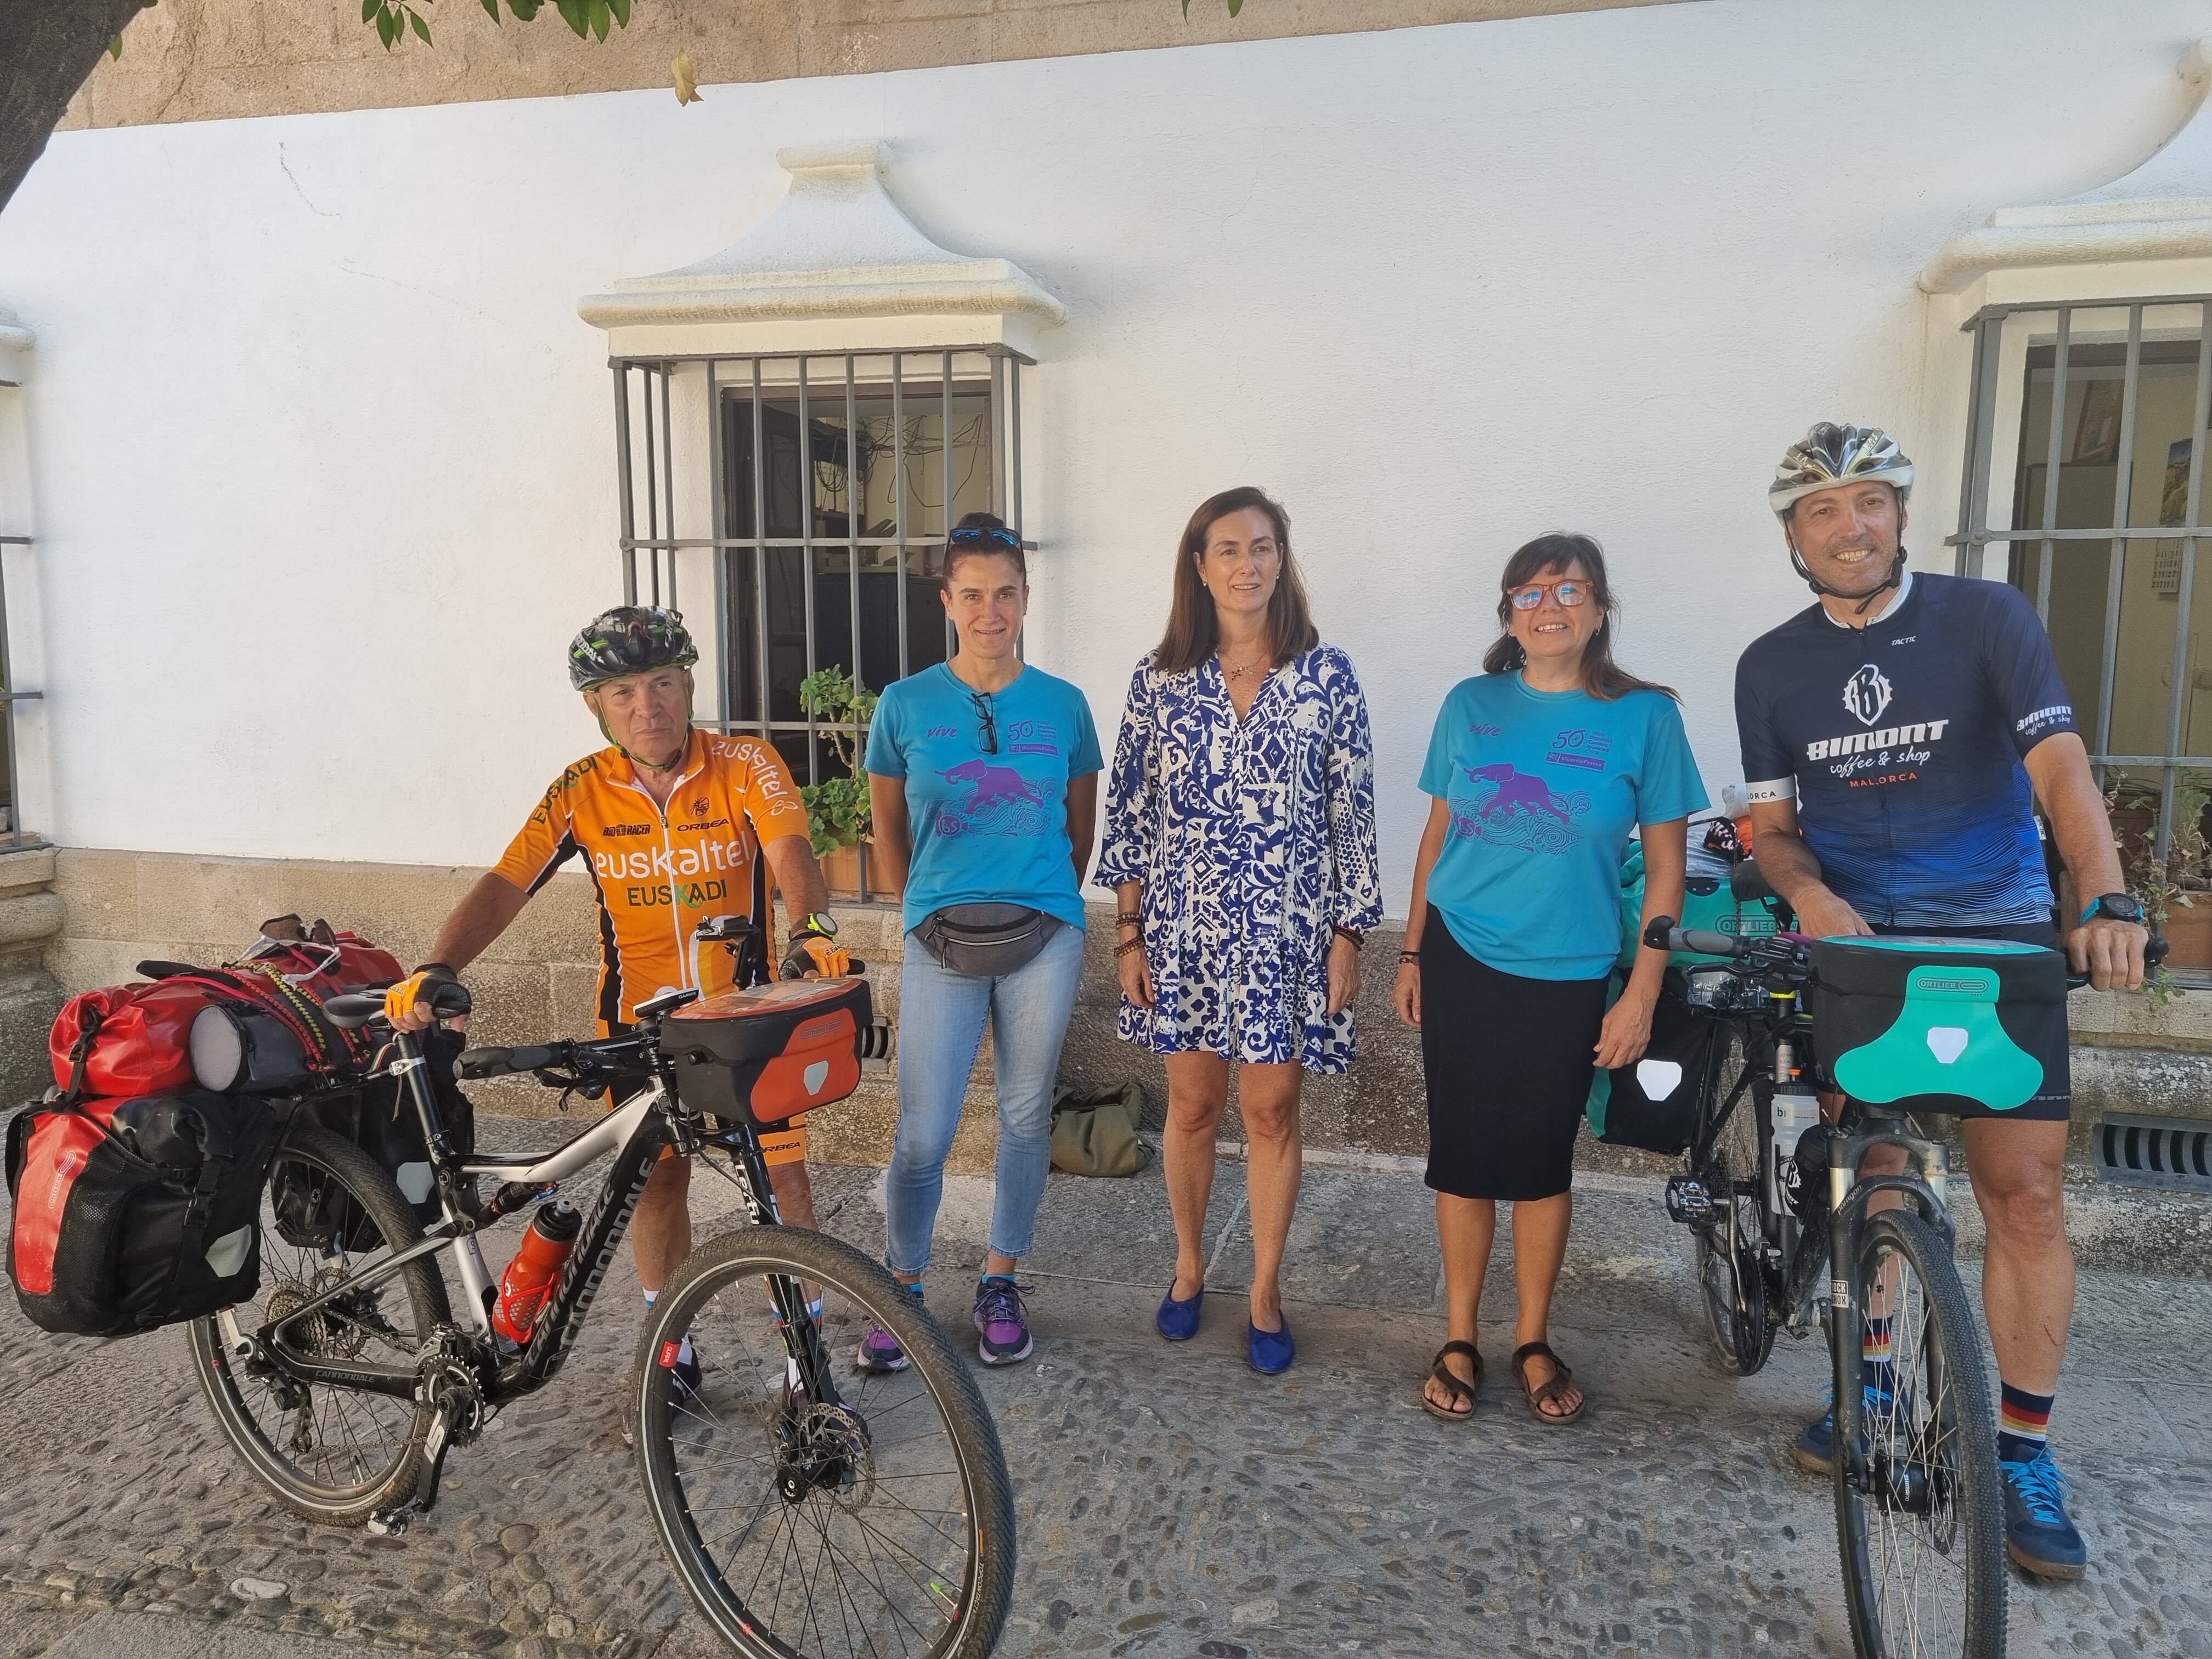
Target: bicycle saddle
<point>1746,881</point>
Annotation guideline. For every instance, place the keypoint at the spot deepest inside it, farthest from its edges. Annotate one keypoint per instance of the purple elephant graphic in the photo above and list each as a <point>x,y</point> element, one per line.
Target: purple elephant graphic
<point>1514,789</point>
<point>994,785</point>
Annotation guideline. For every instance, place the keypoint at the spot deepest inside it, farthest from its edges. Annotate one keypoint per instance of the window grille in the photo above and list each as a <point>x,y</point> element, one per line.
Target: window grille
<point>14,834</point>
<point>805,493</point>
<point>2085,435</point>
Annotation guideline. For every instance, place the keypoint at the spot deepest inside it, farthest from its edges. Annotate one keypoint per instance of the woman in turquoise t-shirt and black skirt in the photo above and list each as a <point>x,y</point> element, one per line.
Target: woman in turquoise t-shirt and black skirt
<point>1541,767</point>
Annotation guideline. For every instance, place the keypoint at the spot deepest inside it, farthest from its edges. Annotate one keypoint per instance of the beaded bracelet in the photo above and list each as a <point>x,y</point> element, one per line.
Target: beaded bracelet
<point>1128,945</point>
<point>1130,919</point>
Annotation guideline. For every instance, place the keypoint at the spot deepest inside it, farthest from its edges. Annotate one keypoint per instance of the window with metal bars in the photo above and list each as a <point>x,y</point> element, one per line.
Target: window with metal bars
<point>802,496</point>
<point>2083,472</point>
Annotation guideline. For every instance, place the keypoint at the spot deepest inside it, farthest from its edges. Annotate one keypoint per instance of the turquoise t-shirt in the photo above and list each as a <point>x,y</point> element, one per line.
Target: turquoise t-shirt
<point>987,828</point>
<point>1544,787</point>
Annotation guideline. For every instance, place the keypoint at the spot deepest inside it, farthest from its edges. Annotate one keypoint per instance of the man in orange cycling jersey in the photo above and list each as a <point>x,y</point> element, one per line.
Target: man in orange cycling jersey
<point>676,824</point>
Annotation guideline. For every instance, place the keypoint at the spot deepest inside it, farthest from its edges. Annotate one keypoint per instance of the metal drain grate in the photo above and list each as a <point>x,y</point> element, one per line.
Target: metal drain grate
<point>2173,1153</point>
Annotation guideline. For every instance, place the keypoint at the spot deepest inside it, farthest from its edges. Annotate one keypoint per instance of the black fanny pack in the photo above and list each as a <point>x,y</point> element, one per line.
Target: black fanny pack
<point>984,941</point>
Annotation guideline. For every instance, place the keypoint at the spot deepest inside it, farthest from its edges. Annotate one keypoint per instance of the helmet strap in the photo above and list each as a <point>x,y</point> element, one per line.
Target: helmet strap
<point>1866,602</point>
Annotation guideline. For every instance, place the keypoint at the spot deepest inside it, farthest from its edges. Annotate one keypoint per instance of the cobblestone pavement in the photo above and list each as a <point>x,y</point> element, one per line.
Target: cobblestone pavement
<point>1172,1502</point>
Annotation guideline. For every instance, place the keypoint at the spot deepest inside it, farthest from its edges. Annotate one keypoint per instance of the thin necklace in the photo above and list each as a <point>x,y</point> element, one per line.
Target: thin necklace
<point>1240,670</point>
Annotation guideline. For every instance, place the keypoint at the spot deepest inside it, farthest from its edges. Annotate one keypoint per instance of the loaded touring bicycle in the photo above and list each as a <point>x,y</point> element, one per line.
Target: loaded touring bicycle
<point>808,1508</point>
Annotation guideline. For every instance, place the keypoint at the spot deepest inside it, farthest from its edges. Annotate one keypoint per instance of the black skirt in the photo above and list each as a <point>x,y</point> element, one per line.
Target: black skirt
<point>1508,1062</point>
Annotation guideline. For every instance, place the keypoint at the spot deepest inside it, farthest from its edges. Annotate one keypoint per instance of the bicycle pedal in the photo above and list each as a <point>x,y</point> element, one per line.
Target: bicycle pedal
<point>1687,1201</point>
<point>392,1523</point>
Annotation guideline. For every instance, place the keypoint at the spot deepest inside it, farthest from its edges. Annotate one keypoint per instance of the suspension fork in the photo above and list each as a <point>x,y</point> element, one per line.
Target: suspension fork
<point>802,1337</point>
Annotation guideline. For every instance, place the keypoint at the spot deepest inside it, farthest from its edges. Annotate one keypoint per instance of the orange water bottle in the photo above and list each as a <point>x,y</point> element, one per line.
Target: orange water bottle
<point>529,1278</point>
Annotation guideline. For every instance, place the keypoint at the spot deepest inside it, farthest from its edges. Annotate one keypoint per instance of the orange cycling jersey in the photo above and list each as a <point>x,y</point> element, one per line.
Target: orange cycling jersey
<point>660,873</point>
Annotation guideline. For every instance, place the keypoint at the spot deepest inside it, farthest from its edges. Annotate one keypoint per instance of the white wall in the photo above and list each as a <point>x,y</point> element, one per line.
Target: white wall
<point>323,455</point>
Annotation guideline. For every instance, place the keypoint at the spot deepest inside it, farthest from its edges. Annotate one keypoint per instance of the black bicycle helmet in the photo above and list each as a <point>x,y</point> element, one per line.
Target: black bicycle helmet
<point>630,639</point>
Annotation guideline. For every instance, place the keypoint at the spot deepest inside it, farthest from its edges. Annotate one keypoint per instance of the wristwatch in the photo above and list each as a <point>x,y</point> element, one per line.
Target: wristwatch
<point>820,923</point>
<point>2115,907</point>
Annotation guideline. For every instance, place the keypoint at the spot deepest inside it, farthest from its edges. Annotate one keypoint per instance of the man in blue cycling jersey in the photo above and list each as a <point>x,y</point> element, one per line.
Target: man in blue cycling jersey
<point>1897,737</point>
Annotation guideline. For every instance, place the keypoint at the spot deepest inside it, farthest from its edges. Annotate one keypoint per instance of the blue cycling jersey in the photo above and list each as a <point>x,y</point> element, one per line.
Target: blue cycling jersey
<point>1902,743</point>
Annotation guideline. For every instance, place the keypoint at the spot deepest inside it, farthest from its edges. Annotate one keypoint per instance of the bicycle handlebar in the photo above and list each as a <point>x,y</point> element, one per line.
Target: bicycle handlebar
<point>1663,935</point>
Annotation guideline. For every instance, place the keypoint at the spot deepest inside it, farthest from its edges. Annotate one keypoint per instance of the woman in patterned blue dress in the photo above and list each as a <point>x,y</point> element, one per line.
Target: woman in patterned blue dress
<point>1240,842</point>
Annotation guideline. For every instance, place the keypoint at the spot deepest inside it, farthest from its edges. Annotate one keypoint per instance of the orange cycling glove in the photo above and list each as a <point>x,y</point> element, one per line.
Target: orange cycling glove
<point>812,953</point>
<point>402,1000</point>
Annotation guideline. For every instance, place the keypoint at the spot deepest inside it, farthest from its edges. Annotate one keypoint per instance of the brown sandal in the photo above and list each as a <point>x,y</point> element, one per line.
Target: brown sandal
<point>1551,1392</point>
<point>1459,1391</point>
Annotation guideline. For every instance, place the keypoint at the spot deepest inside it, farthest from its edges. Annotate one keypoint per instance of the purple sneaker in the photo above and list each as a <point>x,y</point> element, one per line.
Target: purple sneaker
<point>1003,1320</point>
<point>879,1353</point>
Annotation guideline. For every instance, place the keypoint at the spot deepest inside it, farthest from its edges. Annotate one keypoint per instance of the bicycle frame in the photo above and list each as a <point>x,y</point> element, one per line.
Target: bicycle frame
<point>637,1132</point>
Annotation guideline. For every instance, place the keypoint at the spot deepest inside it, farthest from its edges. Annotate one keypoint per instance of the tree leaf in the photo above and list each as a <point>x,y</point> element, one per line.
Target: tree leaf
<point>387,28</point>
<point>602,20</point>
<point>524,10</point>
<point>577,15</point>
<point>369,9</point>
<point>422,28</point>
<point>492,6</point>
<point>1186,10</point>
<point>686,76</point>
<point>115,45</point>
<point>621,9</point>
<point>1236,6</point>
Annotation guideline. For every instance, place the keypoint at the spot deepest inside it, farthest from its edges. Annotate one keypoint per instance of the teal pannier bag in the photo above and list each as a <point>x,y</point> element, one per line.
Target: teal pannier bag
<point>1931,1024</point>
<point>1707,903</point>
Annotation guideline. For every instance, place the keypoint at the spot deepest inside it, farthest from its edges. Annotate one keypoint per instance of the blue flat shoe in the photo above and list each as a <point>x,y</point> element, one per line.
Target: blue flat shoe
<point>1270,1352</point>
<point>1178,1321</point>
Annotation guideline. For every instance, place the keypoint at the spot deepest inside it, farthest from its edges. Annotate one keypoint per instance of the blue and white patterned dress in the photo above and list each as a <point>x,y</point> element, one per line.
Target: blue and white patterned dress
<point>1253,840</point>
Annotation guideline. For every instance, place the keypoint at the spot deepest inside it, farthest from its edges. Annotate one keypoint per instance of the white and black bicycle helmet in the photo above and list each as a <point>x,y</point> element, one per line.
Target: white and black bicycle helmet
<point>630,639</point>
<point>1831,455</point>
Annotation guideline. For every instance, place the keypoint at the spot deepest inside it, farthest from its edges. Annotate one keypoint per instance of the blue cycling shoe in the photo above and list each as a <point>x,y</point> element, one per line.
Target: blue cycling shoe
<point>1270,1352</point>
<point>2040,1535</point>
<point>1816,1448</point>
<point>1178,1321</point>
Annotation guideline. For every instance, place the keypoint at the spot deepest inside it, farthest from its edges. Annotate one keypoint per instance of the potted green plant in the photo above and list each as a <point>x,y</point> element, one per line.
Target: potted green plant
<point>838,808</point>
<point>2176,889</point>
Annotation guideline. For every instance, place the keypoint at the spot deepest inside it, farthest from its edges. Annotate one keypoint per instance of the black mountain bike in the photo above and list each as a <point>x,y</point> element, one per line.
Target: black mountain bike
<point>807,1509</point>
<point>1919,1514</point>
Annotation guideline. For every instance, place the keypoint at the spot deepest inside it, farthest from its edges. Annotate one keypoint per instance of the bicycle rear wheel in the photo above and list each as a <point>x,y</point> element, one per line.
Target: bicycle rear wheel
<point>879,1521</point>
<point>333,1455</point>
<point>1731,1285</point>
<point>1918,1515</point>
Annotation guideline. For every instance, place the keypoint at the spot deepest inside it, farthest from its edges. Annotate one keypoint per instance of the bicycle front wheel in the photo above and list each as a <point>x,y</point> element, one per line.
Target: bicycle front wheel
<point>870,1518</point>
<point>1918,1515</point>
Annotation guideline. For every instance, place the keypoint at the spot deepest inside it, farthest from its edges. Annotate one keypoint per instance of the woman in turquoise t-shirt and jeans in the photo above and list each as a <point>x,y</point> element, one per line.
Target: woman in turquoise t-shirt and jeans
<point>1539,766</point>
<point>983,786</point>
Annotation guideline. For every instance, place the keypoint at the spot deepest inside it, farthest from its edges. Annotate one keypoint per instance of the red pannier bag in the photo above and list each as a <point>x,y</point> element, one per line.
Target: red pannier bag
<point>135,1213</point>
<point>144,1044</point>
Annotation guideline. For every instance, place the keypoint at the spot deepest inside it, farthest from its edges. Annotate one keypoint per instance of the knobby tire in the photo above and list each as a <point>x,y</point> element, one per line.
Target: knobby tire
<point>230,1387</point>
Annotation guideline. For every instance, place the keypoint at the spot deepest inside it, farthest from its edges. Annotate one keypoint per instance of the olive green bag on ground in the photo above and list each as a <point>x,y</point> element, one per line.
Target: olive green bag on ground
<point>1094,1131</point>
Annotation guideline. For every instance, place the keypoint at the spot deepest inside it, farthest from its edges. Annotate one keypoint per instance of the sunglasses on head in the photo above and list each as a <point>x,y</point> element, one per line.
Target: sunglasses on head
<point>1569,592</point>
<point>972,534</point>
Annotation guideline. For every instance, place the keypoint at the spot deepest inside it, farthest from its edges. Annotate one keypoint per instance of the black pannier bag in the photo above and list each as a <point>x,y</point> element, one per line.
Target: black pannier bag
<point>1935,1025</point>
<point>136,1213</point>
<point>378,1116</point>
<point>1653,1104</point>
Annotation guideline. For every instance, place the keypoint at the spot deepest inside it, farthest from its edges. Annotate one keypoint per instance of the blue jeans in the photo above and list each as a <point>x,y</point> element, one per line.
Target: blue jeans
<point>941,1016</point>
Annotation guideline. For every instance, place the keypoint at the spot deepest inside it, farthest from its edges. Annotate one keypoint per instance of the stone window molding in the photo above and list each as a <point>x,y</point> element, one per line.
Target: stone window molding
<point>837,266</point>
<point>2144,222</point>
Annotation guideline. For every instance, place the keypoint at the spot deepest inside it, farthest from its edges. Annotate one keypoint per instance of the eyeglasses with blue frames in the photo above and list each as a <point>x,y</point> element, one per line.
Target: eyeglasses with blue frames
<point>973,534</point>
<point>1568,591</point>
<point>988,721</point>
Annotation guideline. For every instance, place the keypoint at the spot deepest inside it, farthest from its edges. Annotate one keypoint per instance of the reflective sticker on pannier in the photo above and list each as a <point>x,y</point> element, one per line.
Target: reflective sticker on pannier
<point>227,1253</point>
<point>816,1075</point>
<point>1660,1078</point>
<point>415,1182</point>
<point>1950,1014</point>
